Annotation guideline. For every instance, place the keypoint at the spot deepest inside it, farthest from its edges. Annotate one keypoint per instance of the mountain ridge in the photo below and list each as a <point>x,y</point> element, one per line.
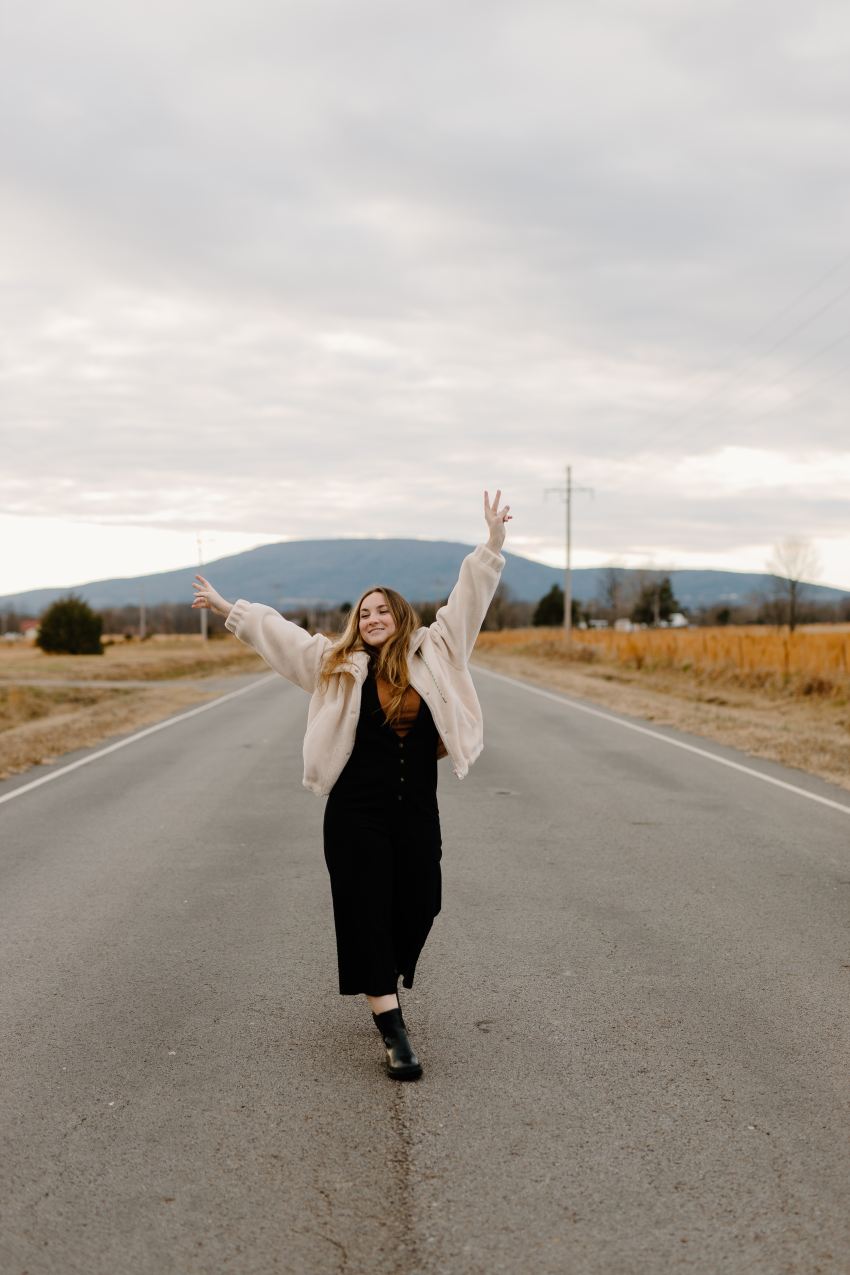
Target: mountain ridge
<point>292,573</point>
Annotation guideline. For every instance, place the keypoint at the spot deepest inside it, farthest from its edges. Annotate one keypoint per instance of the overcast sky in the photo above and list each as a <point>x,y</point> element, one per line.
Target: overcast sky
<point>287,270</point>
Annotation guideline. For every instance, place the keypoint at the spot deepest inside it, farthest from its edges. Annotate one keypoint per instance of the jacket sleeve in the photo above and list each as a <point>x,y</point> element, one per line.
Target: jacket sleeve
<point>458,622</point>
<point>286,647</point>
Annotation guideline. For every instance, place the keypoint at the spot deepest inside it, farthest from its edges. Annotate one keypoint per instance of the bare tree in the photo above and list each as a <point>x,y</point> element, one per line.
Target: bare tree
<point>506,611</point>
<point>792,562</point>
<point>644,595</point>
<point>612,590</point>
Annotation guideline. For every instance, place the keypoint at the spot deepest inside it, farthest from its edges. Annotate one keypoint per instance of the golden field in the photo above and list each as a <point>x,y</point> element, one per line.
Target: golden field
<point>782,697</point>
<point>774,695</point>
<point>810,661</point>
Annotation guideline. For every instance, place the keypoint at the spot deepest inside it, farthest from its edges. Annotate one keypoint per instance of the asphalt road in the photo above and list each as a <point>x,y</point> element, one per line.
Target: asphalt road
<point>632,1013</point>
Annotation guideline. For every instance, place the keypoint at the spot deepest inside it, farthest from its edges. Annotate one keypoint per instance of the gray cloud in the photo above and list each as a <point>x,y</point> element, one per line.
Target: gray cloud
<point>330,267</point>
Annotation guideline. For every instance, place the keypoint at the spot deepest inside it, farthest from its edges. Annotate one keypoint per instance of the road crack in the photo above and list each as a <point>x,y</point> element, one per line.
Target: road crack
<point>410,1257</point>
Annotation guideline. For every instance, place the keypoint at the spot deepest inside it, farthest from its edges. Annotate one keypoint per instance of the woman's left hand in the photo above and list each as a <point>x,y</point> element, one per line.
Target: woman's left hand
<point>209,598</point>
<point>496,519</point>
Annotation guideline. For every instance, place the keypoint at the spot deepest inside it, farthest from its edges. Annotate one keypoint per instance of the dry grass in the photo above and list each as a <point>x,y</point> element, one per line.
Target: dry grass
<point>82,721</point>
<point>40,723</point>
<point>158,658</point>
<point>739,687</point>
<point>800,717</point>
<point>22,704</point>
<point>807,662</point>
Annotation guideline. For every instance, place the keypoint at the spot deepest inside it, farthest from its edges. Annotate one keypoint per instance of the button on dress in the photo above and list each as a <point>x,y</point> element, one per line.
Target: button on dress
<point>383,847</point>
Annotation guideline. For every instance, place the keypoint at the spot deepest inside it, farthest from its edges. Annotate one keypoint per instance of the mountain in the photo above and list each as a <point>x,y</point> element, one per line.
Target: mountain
<point>296,573</point>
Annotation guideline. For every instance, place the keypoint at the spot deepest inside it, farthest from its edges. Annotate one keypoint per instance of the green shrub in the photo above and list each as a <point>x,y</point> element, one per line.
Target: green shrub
<point>70,627</point>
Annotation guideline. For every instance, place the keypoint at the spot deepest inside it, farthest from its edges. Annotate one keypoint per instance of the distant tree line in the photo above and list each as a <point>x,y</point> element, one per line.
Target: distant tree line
<point>643,597</point>
<point>648,601</point>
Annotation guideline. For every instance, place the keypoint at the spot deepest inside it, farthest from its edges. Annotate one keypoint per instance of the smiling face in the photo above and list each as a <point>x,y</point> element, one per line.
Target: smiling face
<point>376,619</point>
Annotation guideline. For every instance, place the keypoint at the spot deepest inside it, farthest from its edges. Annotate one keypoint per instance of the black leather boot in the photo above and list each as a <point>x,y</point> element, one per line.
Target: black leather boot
<point>402,1063</point>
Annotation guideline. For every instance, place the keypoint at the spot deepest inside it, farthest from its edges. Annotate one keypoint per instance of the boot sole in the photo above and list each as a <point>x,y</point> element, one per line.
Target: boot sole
<point>411,1073</point>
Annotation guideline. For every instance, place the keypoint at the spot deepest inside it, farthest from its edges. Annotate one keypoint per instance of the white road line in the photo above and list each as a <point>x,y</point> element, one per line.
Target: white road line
<point>666,739</point>
<point>131,739</point>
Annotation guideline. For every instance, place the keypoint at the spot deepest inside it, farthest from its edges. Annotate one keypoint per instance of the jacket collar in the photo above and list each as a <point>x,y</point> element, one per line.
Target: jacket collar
<point>358,661</point>
<point>357,665</point>
<point>416,640</point>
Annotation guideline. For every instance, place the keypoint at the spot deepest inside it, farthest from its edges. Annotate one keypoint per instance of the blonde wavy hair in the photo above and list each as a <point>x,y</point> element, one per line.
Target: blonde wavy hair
<point>390,660</point>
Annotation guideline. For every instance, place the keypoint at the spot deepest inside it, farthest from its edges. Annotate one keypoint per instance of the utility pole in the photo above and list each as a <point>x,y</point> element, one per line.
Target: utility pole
<point>204,612</point>
<point>567,491</point>
<point>142,629</point>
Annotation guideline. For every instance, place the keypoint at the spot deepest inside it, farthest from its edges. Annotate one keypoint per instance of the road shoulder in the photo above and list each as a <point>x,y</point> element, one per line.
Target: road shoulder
<point>811,736</point>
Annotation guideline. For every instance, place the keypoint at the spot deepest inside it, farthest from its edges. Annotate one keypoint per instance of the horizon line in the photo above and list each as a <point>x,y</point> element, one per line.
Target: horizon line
<point>608,565</point>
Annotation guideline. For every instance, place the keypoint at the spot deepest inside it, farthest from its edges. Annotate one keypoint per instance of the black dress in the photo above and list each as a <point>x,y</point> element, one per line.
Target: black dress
<point>383,848</point>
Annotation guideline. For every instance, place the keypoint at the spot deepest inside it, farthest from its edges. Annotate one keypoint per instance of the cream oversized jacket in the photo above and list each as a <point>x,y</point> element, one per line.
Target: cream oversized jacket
<point>438,658</point>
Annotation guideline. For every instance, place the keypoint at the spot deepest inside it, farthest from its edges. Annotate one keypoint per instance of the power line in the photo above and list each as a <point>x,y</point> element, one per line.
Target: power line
<point>779,314</point>
<point>758,389</point>
<point>666,432</point>
<point>796,399</point>
<point>801,296</point>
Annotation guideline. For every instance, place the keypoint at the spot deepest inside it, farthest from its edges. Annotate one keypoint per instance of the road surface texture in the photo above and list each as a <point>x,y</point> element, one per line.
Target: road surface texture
<point>632,1014</point>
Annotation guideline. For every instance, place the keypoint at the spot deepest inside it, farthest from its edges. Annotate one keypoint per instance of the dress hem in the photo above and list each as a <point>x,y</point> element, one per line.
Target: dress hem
<point>406,981</point>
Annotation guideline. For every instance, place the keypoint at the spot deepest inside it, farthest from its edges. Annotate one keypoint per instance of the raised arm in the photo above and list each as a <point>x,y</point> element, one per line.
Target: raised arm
<point>286,647</point>
<point>458,623</point>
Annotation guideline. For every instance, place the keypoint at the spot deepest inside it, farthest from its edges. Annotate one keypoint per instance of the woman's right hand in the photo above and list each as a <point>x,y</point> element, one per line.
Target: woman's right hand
<point>207,597</point>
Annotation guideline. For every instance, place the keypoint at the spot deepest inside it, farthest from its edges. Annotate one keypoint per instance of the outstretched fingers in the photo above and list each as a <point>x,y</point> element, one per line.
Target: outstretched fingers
<point>492,512</point>
<point>202,591</point>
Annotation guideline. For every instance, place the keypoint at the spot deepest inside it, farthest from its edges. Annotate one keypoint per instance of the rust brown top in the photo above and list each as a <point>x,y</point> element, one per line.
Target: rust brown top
<point>409,710</point>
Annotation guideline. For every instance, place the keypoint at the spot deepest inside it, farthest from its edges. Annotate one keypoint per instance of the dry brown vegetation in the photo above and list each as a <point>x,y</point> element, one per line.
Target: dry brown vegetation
<point>786,698</point>
<point>175,655</point>
<point>808,661</point>
<point>774,695</point>
<point>38,723</point>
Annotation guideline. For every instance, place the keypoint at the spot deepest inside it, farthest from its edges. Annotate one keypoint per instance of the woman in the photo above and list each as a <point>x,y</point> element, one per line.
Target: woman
<point>388,698</point>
